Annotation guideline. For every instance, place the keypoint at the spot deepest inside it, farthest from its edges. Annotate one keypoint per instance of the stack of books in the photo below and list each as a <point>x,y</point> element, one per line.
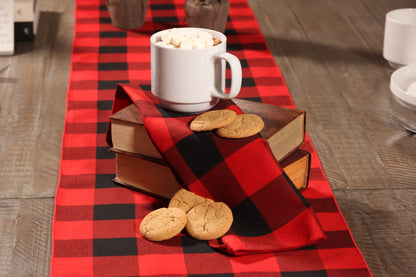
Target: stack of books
<point>140,166</point>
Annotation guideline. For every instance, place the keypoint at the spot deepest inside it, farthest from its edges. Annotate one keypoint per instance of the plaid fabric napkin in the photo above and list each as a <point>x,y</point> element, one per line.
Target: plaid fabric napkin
<point>269,212</point>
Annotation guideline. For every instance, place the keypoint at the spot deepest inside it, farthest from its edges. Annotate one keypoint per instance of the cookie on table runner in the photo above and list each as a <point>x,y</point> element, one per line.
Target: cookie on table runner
<point>186,200</point>
<point>208,221</point>
<point>244,125</point>
<point>212,120</point>
<point>163,224</point>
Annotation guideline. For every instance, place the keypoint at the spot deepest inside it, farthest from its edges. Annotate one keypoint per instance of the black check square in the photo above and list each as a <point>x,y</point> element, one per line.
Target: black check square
<point>209,275</point>
<point>102,127</point>
<point>248,82</point>
<point>112,66</point>
<point>155,7</point>
<point>198,145</point>
<point>115,34</point>
<point>165,19</point>
<point>146,87</point>
<point>192,246</point>
<point>245,82</point>
<point>105,20</point>
<point>114,247</point>
<point>112,49</point>
<point>244,63</point>
<point>230,32</point>
<point>110,84</point>
<point>248,221</point>
<point>231,47</point>
<point>311,273</point>
<point>104,181</point>
<point>104,153</point>
<point>106,105</point>
<point>114,211</point>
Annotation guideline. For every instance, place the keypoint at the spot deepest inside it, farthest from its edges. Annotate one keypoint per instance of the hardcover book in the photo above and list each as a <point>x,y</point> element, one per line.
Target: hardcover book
<point>284,129</point>
<point>154,176</point>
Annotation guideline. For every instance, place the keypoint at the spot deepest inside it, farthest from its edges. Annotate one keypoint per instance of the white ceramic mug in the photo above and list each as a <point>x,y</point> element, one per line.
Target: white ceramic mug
<point>400,37</point>
<point>192,80</point>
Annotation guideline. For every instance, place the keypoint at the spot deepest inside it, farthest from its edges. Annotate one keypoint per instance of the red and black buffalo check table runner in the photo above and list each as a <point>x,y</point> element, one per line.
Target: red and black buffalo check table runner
<point>96,221</point>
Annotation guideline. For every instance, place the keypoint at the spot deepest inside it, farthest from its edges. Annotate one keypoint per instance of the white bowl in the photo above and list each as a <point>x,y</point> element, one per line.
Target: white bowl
<point>403,86</point>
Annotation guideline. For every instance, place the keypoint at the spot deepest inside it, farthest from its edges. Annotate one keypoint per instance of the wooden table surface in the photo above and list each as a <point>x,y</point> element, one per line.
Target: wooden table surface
<point>330,53</point>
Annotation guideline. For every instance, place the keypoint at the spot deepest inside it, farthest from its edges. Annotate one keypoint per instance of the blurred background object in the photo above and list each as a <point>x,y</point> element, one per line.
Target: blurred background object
<point>210,14</point>
<point>127,14</point>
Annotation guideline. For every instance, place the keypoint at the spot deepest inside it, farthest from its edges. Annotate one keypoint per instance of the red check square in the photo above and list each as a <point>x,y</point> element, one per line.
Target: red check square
<point>151,264</point>
<point>255,264</point>
<point>78,230</point>
<point>115,266</point>
<point>242,167</point>
<point>84,197</point>
<point>73,248</point>
<point>114,228</point>
<point>64,266</point>
<point>196,264</point>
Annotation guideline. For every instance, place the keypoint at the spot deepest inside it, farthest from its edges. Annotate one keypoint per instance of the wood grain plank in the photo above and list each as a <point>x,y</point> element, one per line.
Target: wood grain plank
<point>8,217</point>
<point>32,108</point>
<point>383,224</point>
<point>25,244</point>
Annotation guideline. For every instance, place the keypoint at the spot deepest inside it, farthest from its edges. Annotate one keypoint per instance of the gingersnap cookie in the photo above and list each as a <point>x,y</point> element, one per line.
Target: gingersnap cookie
<point>186,200</point>
<point>244,125</point>
<point>207,221</point>
<point>212,120</point>
<point>163,224</point>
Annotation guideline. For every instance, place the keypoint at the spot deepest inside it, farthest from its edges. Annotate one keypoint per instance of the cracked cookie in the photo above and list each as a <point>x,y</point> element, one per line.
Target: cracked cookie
<point>163,224</point>
<point>209,220</point>
<point>244,125</point>
<point>212,120</point>
<point>185,200</point>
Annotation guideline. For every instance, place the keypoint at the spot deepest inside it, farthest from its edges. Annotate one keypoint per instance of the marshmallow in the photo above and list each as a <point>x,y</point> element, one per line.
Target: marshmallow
<point>194,39</point>
<point>187,43</point>
<point>164,44</point>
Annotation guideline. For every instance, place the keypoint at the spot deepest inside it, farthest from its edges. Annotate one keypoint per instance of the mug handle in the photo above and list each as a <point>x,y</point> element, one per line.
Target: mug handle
<point>236,77</point>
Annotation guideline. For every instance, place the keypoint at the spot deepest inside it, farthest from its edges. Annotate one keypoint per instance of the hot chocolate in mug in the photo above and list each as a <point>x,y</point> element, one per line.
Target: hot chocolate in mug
<point>188,67</point>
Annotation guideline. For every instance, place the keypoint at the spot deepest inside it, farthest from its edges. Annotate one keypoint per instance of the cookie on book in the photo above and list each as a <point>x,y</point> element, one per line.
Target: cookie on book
<point>244,125</point>
<point>186,200</point>
<point>163,224</point>
<point>209,220</point>
<point>212,120</point>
